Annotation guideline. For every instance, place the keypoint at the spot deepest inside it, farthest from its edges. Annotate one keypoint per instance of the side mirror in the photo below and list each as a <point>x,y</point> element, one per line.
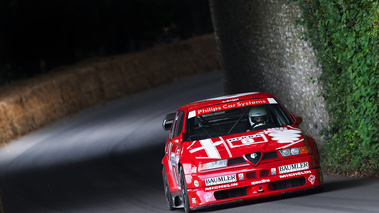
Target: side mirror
<point>167,121</point>
<point>297,119</point>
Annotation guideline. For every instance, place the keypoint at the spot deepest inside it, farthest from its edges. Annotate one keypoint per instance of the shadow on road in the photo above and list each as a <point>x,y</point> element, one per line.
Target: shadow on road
<point>73,185</point>
<point>331,184</point>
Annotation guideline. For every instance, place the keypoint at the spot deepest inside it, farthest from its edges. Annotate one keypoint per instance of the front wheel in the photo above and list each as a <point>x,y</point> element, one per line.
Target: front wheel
<point>183,187</point>
<point>167,192</point>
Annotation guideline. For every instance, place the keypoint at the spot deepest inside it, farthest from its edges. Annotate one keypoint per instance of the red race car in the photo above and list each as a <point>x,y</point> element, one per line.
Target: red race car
<point>236,148</point>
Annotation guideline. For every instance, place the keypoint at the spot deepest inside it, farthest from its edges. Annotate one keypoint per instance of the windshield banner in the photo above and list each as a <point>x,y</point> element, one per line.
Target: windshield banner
<point>231,105</point>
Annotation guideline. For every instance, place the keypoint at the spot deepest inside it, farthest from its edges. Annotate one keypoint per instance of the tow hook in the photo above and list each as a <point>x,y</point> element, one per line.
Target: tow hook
<point>260,190</point>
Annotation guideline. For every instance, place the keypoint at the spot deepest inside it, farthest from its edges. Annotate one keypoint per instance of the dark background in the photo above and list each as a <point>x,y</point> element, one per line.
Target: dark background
<point>39,35</point>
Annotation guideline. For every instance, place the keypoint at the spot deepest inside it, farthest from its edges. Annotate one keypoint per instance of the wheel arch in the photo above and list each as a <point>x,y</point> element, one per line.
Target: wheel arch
<point>314,151</point>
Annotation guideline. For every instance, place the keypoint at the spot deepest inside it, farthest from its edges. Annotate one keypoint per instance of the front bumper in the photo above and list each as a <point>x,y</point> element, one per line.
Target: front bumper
<point>265,183</point>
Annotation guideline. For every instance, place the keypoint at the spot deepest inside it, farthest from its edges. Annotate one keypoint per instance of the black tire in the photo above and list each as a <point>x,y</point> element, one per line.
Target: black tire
<point>185,198</point>
<point>167,191</point>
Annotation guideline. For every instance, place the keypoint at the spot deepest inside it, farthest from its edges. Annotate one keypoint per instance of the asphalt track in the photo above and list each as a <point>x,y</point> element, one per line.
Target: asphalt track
<point>107,159</point>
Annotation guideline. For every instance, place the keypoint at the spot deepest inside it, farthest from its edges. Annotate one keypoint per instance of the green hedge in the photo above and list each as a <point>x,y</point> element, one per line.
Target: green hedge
<point>344,34</point>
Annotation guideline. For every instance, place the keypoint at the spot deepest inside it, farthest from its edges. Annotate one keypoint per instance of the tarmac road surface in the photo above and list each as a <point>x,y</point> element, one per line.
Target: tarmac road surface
<point>107,159</point>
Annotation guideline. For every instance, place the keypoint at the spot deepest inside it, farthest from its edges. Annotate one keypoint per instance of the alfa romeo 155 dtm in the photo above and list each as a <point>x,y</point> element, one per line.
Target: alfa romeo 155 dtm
<point>236,148</point>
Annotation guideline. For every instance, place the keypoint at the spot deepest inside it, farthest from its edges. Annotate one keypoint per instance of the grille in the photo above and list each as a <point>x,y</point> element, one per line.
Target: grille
<point>251,175</point>
<point>264,173</point>
<point>289,183</point>
<point>235,161</point>
<point>230,193</point>
<point>241,160</point>
<point>269,155</point>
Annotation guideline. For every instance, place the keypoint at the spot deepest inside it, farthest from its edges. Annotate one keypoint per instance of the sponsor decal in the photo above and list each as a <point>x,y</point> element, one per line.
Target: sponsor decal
<point>312,179</point>
<point>295,174</point>
<point>221,186</point>
<point>196,183</point>
<point>177,152</point>
<point>240,176</point>
<point>293,167</point>
<point>220,180</point>
<point>172,158</point>
<point>231,105</point>
<point>194,169</point>
<point>170,155</point>
<point>273,171</point>
<point>247,140</point>
<point>260,182</point>
<point>208,110</point>
<point>236,99</point>
<point>207,196</point>
<point>193,200</point>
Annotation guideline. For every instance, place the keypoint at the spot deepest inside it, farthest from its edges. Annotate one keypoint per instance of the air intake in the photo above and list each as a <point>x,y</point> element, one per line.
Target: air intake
<point>230,193</point>
<point>289,183</point>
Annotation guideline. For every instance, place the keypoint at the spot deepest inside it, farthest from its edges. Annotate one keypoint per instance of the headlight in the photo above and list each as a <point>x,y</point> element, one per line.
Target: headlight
<point>213,165</point>
<point>294,151</point>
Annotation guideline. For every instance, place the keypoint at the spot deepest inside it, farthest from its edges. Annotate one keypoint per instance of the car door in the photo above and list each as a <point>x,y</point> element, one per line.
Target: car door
<point>175,143</point>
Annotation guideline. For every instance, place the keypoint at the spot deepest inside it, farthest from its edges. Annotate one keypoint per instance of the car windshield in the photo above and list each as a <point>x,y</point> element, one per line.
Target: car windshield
<point>235,120</point>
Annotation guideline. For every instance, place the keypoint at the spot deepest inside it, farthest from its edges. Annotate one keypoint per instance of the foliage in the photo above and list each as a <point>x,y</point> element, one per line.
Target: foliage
<point>344,34</point>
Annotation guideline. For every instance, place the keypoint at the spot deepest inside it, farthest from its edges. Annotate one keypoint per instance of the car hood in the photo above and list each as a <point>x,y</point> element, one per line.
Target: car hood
<point>232,146</point>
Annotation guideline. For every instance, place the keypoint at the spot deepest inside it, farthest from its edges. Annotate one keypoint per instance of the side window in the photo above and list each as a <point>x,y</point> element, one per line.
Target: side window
<point>173,127</point>
<point>179,128</point>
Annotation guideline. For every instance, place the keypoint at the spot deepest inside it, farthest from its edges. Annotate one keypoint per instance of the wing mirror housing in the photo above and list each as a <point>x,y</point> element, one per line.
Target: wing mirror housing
<point>167,121</point>
<point>298,119</point>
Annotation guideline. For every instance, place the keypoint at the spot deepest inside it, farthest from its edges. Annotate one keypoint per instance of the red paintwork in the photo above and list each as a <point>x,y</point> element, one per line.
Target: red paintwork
<point>188,155</point>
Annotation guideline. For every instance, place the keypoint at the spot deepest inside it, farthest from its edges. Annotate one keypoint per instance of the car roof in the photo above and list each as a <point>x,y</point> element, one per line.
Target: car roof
<point>225,99</point>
